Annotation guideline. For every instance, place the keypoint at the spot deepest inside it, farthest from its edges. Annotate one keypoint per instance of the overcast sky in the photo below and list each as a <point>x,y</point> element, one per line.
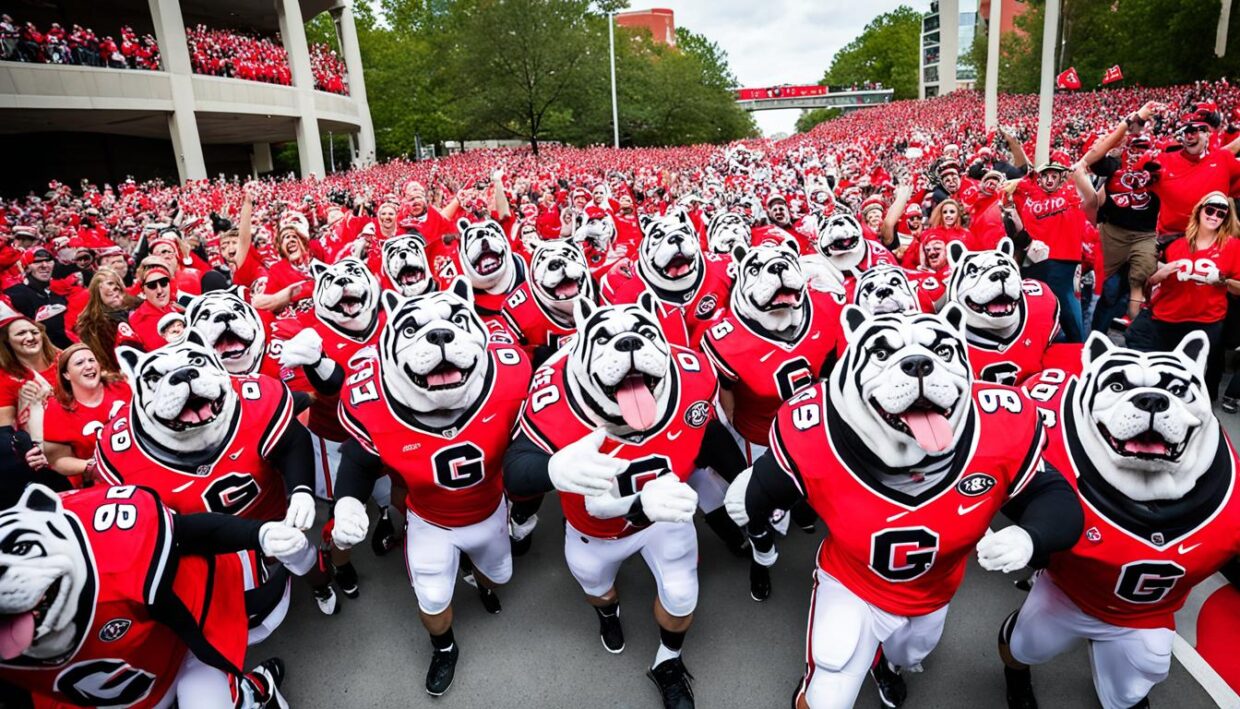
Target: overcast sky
<point>778,41</point>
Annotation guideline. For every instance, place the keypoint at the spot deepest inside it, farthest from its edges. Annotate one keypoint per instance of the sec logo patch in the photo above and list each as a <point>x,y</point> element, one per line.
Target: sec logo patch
<point>114,629</point>
<point>706,306</point>
<point>698,414</point>
<point>975,484</point>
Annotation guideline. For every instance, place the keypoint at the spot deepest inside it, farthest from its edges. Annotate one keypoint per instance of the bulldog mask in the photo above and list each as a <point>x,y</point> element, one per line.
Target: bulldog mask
<point>486,256</point>
<point>346,295</point>
<point>727,230</point>
<point>884,290</point>
<point>770,290</point>
<point>560,276</point>
<point>598,232</point>
<point>670,258</point>
<point>903,385</point>
<point>1144,419</point>
<point>405,265</point>
<point>987,285</point>
<point>230,326</point>
<point>839,240</point>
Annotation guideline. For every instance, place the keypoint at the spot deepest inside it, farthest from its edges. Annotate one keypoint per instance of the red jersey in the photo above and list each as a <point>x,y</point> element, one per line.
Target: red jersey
<point>530,321</point>
<point>78,427</point>
<point>1183,180</point>
<point>1127,570</point>
<point>123,657</point>
<point>929,285</point>
<point>552,422</point>
<point>1190,300</point>
<point>685,316</point>
<point>453,474</point>
<point>906,553</point>
<point>1055,219</point>
<point>875,255</point>
<point>1020,356</point>
<point>763,371</point>
<point>237,480</point>
<point>489,306</point>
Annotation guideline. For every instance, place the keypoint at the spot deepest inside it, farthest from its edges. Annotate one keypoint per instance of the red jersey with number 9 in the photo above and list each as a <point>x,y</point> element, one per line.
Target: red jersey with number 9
<point>1020,357</point>
<point>237,480</point>
<point>1183,298</point>
<point>906,553</point>
<point>453,473</point>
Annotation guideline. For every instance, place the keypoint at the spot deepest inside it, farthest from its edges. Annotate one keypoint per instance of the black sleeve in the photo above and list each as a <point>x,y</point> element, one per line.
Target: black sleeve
<point>359,469</point>
<point>1020,238</point>
<point>301,401</point>
<point>770,488</point>
<point>1231,572</point>
<point>330,386</point>
<point>209,533</point>
<point>19,296</point>
<point>720,452</point>
<point>525,468</point>
<point>293,456</point>
<point>1105,166</point>
<point>1049,510</point>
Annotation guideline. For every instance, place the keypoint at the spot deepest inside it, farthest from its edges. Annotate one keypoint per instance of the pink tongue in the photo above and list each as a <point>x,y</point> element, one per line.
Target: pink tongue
<point>930,428</point>
<point>567,289</point>
<point>785,298</point>
<point>997,308</point>
<point>1151,448</point>
<point>16,634</point>
<point>678,270</point>
<point>445,378</point>
<point>636,403</point>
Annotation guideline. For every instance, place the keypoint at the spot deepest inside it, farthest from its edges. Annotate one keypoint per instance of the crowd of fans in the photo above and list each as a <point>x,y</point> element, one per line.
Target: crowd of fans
<point>77,45</point>
<point>239,55</point>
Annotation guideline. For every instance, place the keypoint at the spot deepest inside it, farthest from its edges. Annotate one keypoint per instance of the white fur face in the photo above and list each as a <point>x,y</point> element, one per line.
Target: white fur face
<point>405,265</point>
<point>560,275</point>
<point>904,383</point>
<point>670,257</point>
<point>346,294</point>
<point>885,289</point>
<point>433,350</point>
<point>487,256</point>
<point>43,572</point>
<point>839,239</point>
<point>230,326</point>
<point>182,395</point>
<point>599,232</point>
<point>770,287</point>
<point>987,285</point>
<point>619,362</point>
<point>1144,419</point>
<point>727,230</point>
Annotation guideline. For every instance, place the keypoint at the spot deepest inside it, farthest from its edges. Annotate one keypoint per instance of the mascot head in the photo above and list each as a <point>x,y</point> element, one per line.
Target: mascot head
<point>620,363</point>
<point>560,277</point>
<point>230,326</point>
<point>43,573</point>
<point>594,228</point>
<point>433,350</point>
<point>904,383</point>
<point>346,295</point>
<point>486,255</point>
<point>669,257</point>
<point>839,239</point>
<point>405,265</point>
<point>987,285</point>
<point>183,399</point>
<point>770,289</point>
<point>727,230</point>
<point>1144,419</point>
<point>885,289</point>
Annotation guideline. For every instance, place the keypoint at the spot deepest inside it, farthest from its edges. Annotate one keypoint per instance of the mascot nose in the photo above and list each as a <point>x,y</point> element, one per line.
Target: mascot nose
<point>883,293</point>
<point>183,376</point>
<point>917,366</point>
<point>675,239</point>
<point>440,336</point>
<point>999,276</point>
<point>629,343</point>
<point>226,317</point>
<point>1151,402</point>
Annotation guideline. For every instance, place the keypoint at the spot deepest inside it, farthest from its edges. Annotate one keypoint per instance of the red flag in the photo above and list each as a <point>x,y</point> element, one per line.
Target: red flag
<point>1068,80</point>
<point>1112,75</point>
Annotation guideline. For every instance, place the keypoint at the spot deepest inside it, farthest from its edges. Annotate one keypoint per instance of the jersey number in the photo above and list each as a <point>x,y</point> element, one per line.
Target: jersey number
<point>1147,581</point>
<point>104,683</point>
<point>793,376</point>
<point>1000,373</point>
<point>903,554</point>
<point>458,467</point>
<point>640,472</point>
<point>231,494</point>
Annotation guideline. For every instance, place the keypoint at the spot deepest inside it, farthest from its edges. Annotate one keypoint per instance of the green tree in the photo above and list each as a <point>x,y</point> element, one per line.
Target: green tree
<point>808,119</point>
<point>886,52</point>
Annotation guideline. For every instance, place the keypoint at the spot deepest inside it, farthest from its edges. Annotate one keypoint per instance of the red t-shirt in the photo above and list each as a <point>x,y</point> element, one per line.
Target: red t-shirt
<point>1189,300</point>
<point>10,385</point>
<point>1185,179</point>
<point>1056,219</point>
<point>79,426</point>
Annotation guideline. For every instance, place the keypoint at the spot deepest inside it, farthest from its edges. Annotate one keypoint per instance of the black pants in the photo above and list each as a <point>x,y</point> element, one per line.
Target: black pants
<point>1169,334</point>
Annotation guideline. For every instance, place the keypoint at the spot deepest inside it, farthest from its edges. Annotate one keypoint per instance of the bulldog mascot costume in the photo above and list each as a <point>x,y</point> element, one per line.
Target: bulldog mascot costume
<point>617,422</point>
<point>488,263</point>
<point>540,311</point>
<point>405,268</point>
<point>233,328</point>
<point>907,461</point>
<point>839,241</point>
<point>436,407</point>
<point>1156,475</point>
<point>725,231</point>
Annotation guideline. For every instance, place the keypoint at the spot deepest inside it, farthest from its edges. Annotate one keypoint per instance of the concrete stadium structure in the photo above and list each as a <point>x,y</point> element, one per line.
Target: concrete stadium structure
<point>205,124</point>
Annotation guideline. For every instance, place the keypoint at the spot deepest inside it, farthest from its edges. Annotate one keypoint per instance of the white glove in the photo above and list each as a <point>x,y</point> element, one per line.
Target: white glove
<point>281,541</point>
<point>351,523</point>
<point>609,505</point>
<point>821,276</point>
<point>734,498</point>
<point>300,511</point>
<point>1037,252</point>
<point>1006,550</point>
<point>304,348</point>
<point>667,499</point>
<point>580,468</point>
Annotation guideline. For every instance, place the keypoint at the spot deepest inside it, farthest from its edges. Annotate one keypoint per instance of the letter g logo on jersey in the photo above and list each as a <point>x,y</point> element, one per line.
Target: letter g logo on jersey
<point>975,485</point>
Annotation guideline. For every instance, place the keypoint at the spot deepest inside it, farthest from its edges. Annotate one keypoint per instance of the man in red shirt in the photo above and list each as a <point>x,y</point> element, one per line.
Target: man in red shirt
<point>1182,177</point>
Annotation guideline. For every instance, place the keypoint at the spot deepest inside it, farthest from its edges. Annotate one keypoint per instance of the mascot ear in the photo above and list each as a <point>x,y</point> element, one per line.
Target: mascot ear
<point>954,315</point>
<point>853,319</point>
<point>461,288</point>
<point>1006,247</point>
<point>790,244</point>
<point>195,338</point>
<point>955,251</point>
<point>1097,345</point>
<point>238,291</point>
<point>462,224</point>
<point>738,252</point>
<point>1196,347</point>
<point>317,269</point>
<point>40,499</point>
<point>684,218</point>
<point>391,301</point>
<point>645,221</point>
<point>582,310</point>
<point>646,300</point>
<point>128,358</point>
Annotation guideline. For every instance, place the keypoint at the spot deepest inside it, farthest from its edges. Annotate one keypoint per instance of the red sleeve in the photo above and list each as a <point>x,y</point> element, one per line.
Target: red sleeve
<point>8,389</point>
<point>251,269</point>
<point>912,255</point>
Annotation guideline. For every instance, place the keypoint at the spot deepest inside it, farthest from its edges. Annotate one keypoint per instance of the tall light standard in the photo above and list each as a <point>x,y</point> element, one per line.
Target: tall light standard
<point>615,113</point>
<point>1046,96</point>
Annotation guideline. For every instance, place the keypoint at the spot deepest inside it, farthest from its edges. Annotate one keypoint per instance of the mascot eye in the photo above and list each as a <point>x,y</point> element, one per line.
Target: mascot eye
<point>649,333</point>
<point>198,361</point>
<point>601,338</point>
<point>753,269</point>
<point>461,319</point>
<point>970,269</point>
<point>151,377</point>
<point>880,353</point>
<point>408,331</point>
<point>1178,390</point>
<point>1116,387</point>
<point>944,352</point>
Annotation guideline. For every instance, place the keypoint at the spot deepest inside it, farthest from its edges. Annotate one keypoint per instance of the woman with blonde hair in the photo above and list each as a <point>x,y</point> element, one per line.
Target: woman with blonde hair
<point>945,227</point>
<point>1190,287</point>
<point>104,322</point>
<point>86,398</point>
<point>27,369</point>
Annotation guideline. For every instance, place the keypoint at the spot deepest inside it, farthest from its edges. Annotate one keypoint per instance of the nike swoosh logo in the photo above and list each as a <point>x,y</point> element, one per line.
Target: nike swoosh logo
<point>488,418</point>
<point>962,510</point>
<point>674,436</point>
<point>1186,549</point>
<point>234,456</point>
<point>896,516</point>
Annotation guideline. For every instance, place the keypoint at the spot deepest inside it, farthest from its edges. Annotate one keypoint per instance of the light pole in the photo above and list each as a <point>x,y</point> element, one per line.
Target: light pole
<point>615,113</point>
<point>1046,97</point>
<point>992,64</point>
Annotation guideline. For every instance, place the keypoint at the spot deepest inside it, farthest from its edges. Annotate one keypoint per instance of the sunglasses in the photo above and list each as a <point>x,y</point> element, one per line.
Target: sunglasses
<point>1220,212</point>
<point>157,283</point>
<point>1192,130</point>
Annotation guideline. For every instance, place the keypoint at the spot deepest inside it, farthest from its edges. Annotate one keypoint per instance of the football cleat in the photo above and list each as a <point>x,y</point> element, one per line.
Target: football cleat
<point>265,681</point>
<point>346,578</point>
<point>385,537</point>
<point>611,632</point>
<point>442,670</point>
<point>1019,688</point>
<point>891,689</point>
<point>672,679</point>
<point>325,597</point>
<point>759,581</point>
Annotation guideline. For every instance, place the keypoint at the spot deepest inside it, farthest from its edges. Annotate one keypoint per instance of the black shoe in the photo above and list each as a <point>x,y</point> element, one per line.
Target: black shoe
<point>1023,584</point>
<point>759,581</point>
<point>1019,688</point>
<point>672,679</point>
<point>1143,704</point>
<point>442,670</point>
<point>891,689</point>
<point>727,531</point>
<point>267,679</point>
<point>490,600</point>
<point>1230,404</point>
<point>611,632</point>
<point>384,539</point>
<point>346,579</point>
<point>804,517</point>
